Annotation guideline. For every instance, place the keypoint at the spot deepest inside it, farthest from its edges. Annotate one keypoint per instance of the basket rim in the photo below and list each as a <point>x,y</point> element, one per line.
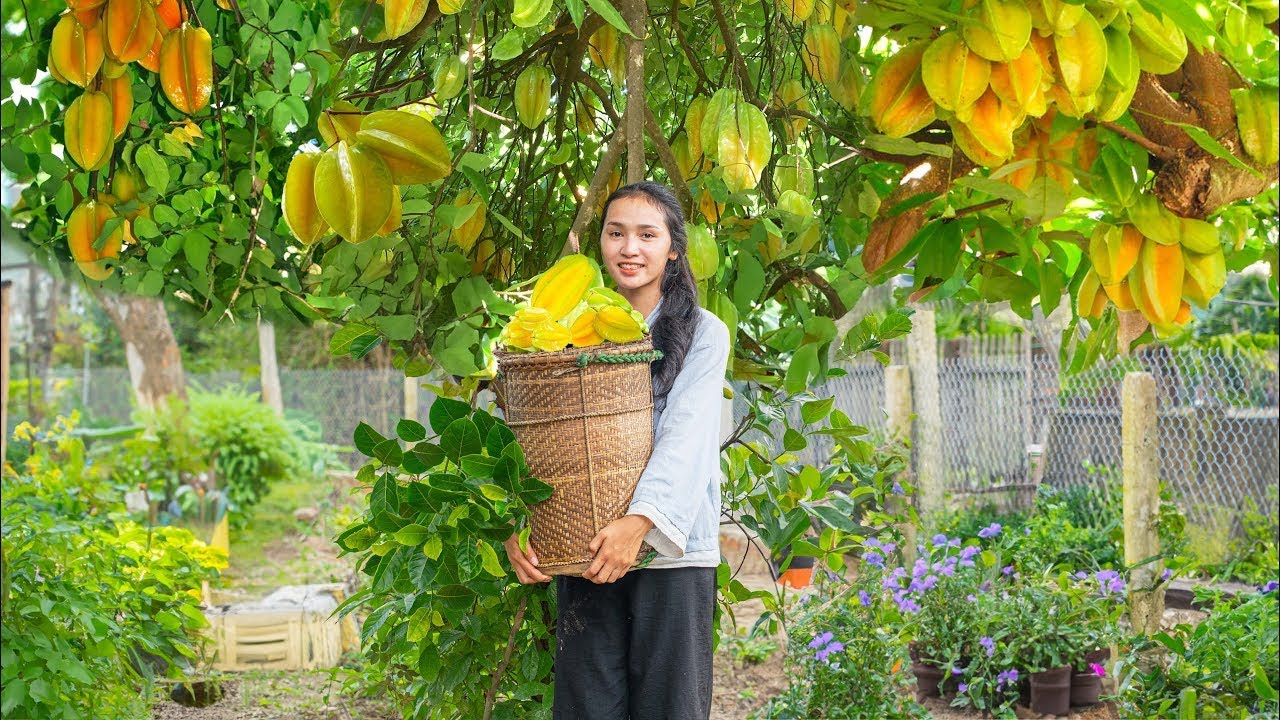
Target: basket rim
<point>567,357</point>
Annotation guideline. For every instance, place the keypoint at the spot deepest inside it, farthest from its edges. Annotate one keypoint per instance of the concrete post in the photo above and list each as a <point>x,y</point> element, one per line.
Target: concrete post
<point>897,405</point>
<point>269,367</point>
<point>411,398</point>
<point>926,401</point>
<point>5,304</point>
<point>1140,441</point>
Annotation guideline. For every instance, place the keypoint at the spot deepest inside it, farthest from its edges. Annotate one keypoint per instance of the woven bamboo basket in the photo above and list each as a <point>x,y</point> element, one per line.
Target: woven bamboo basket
<point>584,417</point>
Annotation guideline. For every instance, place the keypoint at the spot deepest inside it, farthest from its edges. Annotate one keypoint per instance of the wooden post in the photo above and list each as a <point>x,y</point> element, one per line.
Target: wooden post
<point>897,404</point>
<point>1140,441</point>
<point>926,400</point>
<point>411,398</point>
<point>5,304</point>
<point>268,369</point>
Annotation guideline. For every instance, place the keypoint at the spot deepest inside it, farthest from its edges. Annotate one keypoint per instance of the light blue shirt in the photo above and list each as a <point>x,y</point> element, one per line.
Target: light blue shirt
<point>679,489</point>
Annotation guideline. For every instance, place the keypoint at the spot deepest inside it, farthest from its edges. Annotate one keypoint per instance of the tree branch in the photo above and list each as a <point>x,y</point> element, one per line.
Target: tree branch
<point>668,159</point>
<point>635,12</point>
<point>492,693</point>
<point>613,151</point>
<point>735,55</point>
<point>1156,149</point>
<point>838,308</point>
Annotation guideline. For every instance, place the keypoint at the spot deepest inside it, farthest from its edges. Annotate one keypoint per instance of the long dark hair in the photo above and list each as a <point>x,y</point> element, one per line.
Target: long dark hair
<point>673,331</point>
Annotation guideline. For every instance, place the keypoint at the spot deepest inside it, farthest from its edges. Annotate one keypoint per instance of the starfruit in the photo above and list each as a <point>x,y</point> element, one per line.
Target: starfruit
<point>84,227</point>
<point>954,76</point>
<point>745,146</point>
<point>1159,42</point>
<point>1156,281</point>
<point>353,190</point>
<point>704,253</point>
<point>848,88</point>
<point>130,27</point>
<point>533,95</point>
<point>450,77</point>
<point>89,137</point>
<point>617,325</point>
<point>186,68</point>
<point>709,128</point>
<point>299,199</point>
<point>1020,82</point>
<point>791,96</point>
<point>684,158</point>
<point>1082,57</point>
<point>794,172</point>
<point>599,296</point>
<point>396,218</point>
<point>797,11</point>
<point>120,92</point>
<point>709,207</point>
<point>1154,220</point>
<point>340,122</point>
<point>896,99</point>
<point>125,184</point>
<point>170,13</point>
<point>1090,298</point>
<point>564,284</point>
<point>465,235</point>
<point>973,148</point>
<point>992,124</point>
<point>1121,296</point>
<point>409,144</point>
<point>151,61</point>
<point>76,52</point>
<point>112,69</point>
<point>1258,119</point>
<point>1121,78</point>
<point>1206,274</point>
<point>551,337</point>
<point>693,119</point>
<point>821,53</point>
<point>1055,16</point>
<point>1113,250</point>
<point>516,336</point>
<point>998,30</point>
<point>450,7</point>
<point>583,332</point>
<point>607,52</point>
<point>528,13</point>
<point>401,16</point>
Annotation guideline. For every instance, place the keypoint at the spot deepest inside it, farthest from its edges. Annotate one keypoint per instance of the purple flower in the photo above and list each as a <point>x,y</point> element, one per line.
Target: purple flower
<point>953,542</point>
<point>963,687</point>
<point>898,489</point>
<point>957,671</point>
<point>939,539</point>
<point>1164,576</point>
<point>1026,531</point>
<point>1270,587</point>
<point>985,587</point>
<point>906,603</point>
<point>888,547</point>
<point>1098,669</point>
<point>949,570</point>
<point>969,552</point>
<point>920,569</point>
<point>971,597</point>
<point>873,558</point>
<point>820,640</point>
<point>1008,676</point>
<point>864,598</point>
<point>824,653</point>
<point>989,644</point>
<point>1007,569</point>
<point>990,531</point>
<point>872,542</point>
<point>1109,581</point>
<point>1081,575</point>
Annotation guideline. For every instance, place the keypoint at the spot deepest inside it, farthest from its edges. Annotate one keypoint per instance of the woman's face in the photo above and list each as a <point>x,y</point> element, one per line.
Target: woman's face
<point>635,244</point>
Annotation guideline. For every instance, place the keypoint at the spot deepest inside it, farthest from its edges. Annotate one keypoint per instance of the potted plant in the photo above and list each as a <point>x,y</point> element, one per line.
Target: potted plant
<point>1099,603</point>
<point>1045,643</point>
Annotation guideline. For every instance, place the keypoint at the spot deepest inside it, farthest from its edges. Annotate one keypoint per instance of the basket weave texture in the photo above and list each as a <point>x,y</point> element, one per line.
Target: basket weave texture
<point>586,428</point>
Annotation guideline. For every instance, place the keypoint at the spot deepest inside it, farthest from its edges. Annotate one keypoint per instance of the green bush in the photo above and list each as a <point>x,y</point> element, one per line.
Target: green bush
<point>93,604</point>
<point>249,442</point>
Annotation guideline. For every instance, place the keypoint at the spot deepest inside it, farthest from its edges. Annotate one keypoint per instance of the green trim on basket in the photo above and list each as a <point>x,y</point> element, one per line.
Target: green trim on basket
<point>587,358</point>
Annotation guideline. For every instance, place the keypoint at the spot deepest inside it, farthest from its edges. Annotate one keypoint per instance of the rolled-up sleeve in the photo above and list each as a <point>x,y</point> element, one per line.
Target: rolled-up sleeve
<point>686,445</point>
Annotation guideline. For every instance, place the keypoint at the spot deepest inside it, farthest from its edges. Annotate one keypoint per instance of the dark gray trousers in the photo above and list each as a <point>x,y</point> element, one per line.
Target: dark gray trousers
<point>636,649</point>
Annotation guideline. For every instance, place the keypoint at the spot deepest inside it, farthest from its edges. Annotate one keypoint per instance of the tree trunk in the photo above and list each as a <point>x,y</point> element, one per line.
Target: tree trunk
<point>44,327</point>
<point>155,364</point>
<point>269,369</point>
<point>635,12</point>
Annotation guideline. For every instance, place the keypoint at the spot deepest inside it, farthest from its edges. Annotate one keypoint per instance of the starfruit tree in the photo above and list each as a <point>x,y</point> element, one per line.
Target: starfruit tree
<point>403,168</point>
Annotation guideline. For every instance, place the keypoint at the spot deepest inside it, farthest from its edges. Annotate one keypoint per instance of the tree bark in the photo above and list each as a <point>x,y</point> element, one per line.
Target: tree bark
<point>268,368</point>
<point>636,14</point>
<point>155,363</point>
<point>44,326</point>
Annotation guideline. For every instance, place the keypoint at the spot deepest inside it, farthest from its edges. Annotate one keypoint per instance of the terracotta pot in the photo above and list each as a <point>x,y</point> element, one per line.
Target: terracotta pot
<point>1100,656</point>
<point>1086,687</point>
<point>1051,691</point>
<point>796,578</point>
<point>927,679</point>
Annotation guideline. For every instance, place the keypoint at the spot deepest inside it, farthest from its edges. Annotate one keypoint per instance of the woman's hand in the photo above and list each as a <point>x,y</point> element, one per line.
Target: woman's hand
<point>525,564</point>
<point>615,548</point>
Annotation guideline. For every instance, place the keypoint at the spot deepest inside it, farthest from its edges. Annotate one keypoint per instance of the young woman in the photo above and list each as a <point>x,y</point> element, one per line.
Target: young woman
<point>636,645</point>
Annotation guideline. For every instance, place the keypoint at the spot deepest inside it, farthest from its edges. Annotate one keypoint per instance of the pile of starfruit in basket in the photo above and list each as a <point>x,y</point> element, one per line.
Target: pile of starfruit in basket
<point>571,306</point>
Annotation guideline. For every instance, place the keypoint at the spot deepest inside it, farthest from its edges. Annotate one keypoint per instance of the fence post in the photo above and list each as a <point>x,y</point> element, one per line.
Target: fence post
<point>897,404</point>
<point>5,304</point>
<point>922,358</point>
<point>269,367</point>
<point>1140,441</point>
<point>411,398</point>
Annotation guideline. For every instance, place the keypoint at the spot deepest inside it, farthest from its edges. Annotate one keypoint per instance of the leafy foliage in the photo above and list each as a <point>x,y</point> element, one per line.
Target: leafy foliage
<point>94,604</point>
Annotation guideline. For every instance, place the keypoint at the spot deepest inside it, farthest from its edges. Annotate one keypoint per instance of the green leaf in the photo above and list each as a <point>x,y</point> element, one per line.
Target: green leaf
<point>410,430</point>
<point>384,498</point>
<point>1261,685</point>
<point>428,454</point>
<point>489,560</point>
<point>460,438</point>
<point>749,283</point>
<point>509,47</point>
<point>497,439</point>
<point>155,169</point>
<point>493,492</point>
<point>804,365</point>
<point>576,12</point>
<point>366,439</point>
<point>412,534</point>
<point>1213,147</point>
<point>433,547</point>
<point>815,410</point>
<point>480,466</point>
<point>444,411</point>
<point>606,10</point>
<point>834,518</point>
<point>905,146</point>
<point>355,339</point>
<point>388,453</point>
<point>793,441</point>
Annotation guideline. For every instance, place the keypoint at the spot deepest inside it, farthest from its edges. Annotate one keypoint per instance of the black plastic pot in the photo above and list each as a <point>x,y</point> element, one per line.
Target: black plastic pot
<point>1086,688</point>
<point>928,678</point>
<point>1051,691</point>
